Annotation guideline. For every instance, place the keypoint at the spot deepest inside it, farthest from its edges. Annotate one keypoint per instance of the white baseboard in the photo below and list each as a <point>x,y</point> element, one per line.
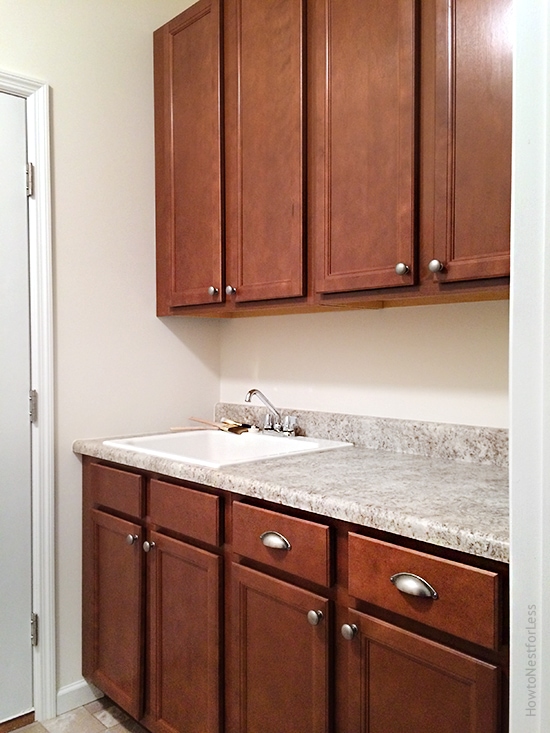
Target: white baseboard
<point>76,694</point>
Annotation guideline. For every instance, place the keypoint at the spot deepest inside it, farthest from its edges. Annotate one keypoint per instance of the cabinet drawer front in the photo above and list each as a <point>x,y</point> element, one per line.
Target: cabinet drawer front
<point>116,489</point>
<point>467,602</point>
<point>191,513</point>
<point>308,555</point>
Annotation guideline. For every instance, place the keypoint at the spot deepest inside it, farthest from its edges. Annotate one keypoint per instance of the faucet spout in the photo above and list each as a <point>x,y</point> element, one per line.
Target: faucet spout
<point>270,406</point>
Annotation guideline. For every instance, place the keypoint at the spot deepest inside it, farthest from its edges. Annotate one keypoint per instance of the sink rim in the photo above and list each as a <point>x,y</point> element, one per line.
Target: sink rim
<point>301,445</point>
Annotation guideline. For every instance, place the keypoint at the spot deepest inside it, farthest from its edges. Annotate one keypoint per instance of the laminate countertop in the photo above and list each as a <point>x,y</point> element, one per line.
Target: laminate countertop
<point>456,503</point>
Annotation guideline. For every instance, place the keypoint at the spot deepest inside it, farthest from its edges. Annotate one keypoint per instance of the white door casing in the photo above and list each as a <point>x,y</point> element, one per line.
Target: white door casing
<point>36,94</point>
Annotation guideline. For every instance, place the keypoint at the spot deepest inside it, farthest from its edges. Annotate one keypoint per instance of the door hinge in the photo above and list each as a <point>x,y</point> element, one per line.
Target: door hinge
<point>33,405</point>
<point>34,629</point>
<point>29,179</point>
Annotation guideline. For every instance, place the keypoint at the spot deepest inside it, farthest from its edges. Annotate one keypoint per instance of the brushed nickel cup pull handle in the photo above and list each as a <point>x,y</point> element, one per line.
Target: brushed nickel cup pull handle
<point>275,540</point>
<point>414,585</point>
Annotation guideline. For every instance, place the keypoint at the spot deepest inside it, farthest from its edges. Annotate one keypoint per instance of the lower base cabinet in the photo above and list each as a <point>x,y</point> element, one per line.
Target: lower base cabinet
<point>280,677</point>
<point>183,634</point>
<point>287,625</point>
<point>398,681</point>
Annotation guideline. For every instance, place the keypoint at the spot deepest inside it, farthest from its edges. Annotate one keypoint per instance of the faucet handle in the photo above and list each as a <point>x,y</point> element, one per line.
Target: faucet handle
<point>268,421</point>
<point>290,423</point>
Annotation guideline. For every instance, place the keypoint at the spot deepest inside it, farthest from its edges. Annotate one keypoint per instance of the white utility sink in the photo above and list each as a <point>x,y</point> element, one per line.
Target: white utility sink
<point>217,448</point>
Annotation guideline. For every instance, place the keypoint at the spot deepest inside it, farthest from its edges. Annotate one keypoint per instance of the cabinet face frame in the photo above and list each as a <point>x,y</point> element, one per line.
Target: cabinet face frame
<point>188,144</point>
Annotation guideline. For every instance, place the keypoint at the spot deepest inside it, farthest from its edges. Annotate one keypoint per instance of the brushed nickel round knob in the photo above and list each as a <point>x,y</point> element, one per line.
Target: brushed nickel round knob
<point>131,539</point>
<point>314,617</point>
<point>349,631</point>
<point>213,290</point>
<point>402,269</point>
<point>436,266</point>
<point>148,546</point>
<point>230,290</point>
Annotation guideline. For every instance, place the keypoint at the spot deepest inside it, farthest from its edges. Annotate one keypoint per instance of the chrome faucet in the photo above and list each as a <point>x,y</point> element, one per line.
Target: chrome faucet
<point>274,412</point>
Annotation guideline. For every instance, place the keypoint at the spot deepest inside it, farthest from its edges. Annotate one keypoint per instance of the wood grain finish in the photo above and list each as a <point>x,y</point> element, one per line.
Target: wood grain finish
<point>468,597</point>
<point>183,638</point>
<point>117,611</point>
<point>194,514</point>
<point>309,555</point>
<point>119,490</point>
<point>188,136</point>
<point>468,148</point>
<point>280,673</point>
<point>264,148</point>
<point>398,681</point>
<point>363,146</point>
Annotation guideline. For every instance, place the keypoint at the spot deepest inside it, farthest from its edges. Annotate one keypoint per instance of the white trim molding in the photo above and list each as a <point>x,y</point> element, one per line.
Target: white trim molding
<point>75,695</point>
<point>36,94</point>
<point>530,373</point>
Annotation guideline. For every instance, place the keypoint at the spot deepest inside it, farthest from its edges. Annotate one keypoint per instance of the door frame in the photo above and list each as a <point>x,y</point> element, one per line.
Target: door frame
<point>36,94</point>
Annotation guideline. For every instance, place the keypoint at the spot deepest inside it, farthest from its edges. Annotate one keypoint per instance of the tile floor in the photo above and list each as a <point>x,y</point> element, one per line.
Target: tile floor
<point>99,716</point>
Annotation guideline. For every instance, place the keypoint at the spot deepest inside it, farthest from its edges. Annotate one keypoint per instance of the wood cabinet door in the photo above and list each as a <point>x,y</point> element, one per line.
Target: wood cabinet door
<point>396,681</point>
<point>279,676</point>
<point>116,615</point>
<point>188,141</point>
<point>183,638</point>
<point>264,148</point>
<point>467,80</point>
<point>362,136</point>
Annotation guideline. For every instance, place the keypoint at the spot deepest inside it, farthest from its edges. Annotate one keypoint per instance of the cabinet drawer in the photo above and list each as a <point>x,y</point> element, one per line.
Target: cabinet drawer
<point>308,554</point>
<point>192,513</point>
<point>116,489</point>
<point>467,597</point>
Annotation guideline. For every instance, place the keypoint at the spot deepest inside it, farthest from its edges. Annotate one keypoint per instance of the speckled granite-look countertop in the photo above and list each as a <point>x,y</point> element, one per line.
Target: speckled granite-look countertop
<point>408,485</point>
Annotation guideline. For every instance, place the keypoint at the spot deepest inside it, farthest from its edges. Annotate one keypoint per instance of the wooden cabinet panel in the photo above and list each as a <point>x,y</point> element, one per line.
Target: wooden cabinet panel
<point>116,615</point>
<point>467,147</point>
<point>179,509</point>
<point>119,490</point>
<point>279,675</point>
<point>397,681</point>
<point>468,598</point>
<point>184,638</point>
<point>309,552</point>
<point>188,135</point>
<point>264,148</point>
<point>363,142</point>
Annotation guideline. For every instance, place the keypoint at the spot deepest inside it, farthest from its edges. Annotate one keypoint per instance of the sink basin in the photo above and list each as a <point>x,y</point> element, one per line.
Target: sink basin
<point>216,448</point>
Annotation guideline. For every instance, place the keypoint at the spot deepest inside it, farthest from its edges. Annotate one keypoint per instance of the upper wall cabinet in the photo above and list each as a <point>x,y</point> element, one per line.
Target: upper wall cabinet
<point>338,152</point>
<point>363,127</point>
<point>264,149</point>
<point>188,140</point>
<point>466,139</point>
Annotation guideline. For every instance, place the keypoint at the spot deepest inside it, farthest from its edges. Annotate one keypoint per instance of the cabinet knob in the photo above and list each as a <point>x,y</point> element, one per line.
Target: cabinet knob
<point>402,269</point>
<point>230,290</point>
<point>213,290</point>
<point>436,266</point>
<point>148,546</point>
<point>275,540</point>
<point>314,618</point>
<point>131,539</point>
<point>414,585</point>
<point>348,631</point>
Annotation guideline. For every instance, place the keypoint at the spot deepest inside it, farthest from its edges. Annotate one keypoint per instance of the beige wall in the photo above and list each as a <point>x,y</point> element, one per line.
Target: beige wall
<point>119,369</point>
<point>447,363</point>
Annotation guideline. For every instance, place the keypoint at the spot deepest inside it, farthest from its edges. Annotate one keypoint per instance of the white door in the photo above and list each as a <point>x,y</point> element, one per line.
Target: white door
<point>15,436</point>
